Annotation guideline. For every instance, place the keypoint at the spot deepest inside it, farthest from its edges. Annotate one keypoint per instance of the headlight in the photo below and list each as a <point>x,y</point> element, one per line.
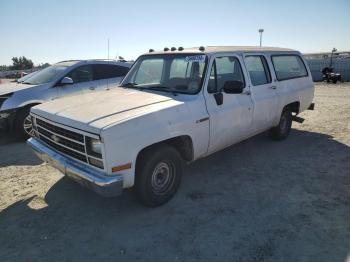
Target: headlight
<point>96,146</point>
<point>4,97</point>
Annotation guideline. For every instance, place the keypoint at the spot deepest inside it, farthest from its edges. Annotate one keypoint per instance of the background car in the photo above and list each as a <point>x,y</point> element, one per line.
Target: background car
<point>59,80</point>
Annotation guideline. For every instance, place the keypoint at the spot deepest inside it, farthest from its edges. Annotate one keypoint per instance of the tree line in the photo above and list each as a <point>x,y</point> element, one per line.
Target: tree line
<point>21,63</point>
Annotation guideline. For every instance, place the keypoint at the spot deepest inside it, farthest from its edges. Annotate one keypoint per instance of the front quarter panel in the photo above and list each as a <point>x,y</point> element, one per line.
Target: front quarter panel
<point>125,140</point>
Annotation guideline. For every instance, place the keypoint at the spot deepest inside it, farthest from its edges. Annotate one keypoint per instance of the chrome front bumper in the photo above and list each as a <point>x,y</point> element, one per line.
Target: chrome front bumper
<point>107,186</point>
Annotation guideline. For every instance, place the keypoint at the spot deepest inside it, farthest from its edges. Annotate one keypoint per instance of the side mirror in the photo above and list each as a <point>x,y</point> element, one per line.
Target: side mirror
<point>66,81</point>
<point>233,87</point>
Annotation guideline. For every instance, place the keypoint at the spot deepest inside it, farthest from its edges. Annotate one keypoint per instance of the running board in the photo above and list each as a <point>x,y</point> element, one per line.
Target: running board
<point>298,119</point>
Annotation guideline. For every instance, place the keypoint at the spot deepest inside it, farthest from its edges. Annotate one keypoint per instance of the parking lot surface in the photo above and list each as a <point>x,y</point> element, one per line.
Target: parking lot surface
<point>259,200</point>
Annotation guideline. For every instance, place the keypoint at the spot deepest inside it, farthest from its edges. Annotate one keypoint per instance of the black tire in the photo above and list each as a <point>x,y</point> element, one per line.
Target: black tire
<point>282,130</point>
<point>158,175</point>
<point>21,126</point>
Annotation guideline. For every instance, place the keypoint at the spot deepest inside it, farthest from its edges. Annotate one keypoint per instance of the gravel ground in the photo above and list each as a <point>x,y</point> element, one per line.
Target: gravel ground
<point>256,201</point>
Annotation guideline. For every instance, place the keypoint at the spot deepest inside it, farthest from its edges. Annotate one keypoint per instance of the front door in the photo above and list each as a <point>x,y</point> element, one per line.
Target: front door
<point>83,81</point>
<point>231,120</point>
<point>263,92</point>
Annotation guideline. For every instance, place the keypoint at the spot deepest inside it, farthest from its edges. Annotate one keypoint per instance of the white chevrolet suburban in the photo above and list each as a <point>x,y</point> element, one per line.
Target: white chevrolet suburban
<point>173,106</point>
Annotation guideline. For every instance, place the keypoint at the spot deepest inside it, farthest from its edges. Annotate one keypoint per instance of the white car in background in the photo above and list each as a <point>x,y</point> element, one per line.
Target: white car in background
<point>176,106</point>
<point>56,81</point>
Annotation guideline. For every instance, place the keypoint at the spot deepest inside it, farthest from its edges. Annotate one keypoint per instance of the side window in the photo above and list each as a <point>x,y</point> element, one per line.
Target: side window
<point>81,74</point>
<point>288,66</point>
<point>150,71</point>
<point>224,69</point>
<point>258,70</point>
<point>103,71</point>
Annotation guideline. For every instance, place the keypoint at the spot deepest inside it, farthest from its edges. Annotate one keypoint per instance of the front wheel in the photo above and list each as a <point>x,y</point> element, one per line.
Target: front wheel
<point>158,175</point>
<point>282,130</point>
<point>23,127</point>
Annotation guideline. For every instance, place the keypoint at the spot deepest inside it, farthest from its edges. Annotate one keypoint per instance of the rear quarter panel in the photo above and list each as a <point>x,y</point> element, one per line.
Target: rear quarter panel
<point>295,90</point>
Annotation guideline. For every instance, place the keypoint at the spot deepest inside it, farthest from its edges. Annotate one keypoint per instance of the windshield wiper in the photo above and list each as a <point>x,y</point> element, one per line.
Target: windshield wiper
<point>163,89</point>
<point>129,85</point>
<point>133,85</point>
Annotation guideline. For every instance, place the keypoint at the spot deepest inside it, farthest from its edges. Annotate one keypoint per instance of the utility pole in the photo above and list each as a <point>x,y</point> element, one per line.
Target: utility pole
<point>261,31</point>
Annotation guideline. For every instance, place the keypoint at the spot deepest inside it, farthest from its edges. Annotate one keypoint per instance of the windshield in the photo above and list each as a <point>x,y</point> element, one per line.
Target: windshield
<point>46,75</point>
<point>181,73</point>
<point>23,78</point>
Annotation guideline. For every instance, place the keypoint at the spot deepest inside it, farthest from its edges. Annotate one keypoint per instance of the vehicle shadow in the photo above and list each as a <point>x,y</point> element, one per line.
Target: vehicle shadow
<point>14,152</point>
<point>255,201</point>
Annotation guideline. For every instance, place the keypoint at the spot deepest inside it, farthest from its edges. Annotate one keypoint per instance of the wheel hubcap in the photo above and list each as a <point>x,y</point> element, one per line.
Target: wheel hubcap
<point>28,126</point>
<point>162,178</point>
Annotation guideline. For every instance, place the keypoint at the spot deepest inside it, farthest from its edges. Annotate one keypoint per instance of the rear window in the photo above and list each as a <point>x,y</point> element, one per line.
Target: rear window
<point>288,66</point>
<point>104,71</point>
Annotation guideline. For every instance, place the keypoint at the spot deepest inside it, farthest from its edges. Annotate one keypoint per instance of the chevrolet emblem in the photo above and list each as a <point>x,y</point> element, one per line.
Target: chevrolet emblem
<point>55,138</point>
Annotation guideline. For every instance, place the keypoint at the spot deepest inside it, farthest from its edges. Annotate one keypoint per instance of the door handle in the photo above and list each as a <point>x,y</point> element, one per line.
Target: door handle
<point>273,87</point>
<point>92,88</point>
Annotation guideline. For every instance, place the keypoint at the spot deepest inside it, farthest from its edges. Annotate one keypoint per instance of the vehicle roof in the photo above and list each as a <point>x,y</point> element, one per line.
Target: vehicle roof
<point>217,49</point>
<point>92,61</point>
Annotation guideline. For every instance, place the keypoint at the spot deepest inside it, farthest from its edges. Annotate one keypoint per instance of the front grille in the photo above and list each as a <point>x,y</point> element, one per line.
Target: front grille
<point>63,140</point>
<point>64,149</point>
<point>60,131</point>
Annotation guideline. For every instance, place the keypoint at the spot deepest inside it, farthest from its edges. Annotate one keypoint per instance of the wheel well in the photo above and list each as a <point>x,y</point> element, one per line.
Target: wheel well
<point>13,118</point>
<point>294,107</point>
<point>181,143</point>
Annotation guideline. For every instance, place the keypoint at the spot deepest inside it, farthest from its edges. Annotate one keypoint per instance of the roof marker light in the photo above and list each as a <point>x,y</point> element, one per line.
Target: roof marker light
<point>201,48</point>
<point>151,50</point>
<point>173,49</point>
<point>166,49</point>
<point>180,48</point>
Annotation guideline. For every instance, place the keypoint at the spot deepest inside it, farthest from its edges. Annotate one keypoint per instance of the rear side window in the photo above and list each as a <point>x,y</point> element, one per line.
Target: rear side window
<point>288,66</point>
<point>104,71</point>
<point>258,70</point>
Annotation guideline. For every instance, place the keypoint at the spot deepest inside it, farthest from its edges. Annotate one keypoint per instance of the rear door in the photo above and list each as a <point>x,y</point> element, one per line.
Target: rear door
<point>263,91</point>
<point>230,121</point>
<point>109,75</point>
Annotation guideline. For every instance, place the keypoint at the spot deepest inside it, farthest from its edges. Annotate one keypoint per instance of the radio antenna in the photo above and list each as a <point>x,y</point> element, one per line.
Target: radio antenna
<point>108,48</point>
<point>107,88</point>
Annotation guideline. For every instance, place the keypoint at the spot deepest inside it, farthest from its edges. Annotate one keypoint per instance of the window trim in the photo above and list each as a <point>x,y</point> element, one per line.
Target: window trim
<point>215,70</point>
<point>289,78</point>
<point>265,66</point>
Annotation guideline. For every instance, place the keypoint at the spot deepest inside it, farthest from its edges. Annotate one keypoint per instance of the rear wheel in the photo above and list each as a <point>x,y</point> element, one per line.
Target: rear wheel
<point>23,127</point>
<point>158,175</point>
<point>282,130</point>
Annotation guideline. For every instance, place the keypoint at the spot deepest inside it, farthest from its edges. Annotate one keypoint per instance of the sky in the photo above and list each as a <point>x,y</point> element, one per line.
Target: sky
<point>52,31</point>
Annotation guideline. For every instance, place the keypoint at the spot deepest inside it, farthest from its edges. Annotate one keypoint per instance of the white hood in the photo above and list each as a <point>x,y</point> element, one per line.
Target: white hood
<point>93,111</point>
<point>13,87</point>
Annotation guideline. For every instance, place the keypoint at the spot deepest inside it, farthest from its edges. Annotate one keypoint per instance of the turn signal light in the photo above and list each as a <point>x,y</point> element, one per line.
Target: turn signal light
<point>120,168</point>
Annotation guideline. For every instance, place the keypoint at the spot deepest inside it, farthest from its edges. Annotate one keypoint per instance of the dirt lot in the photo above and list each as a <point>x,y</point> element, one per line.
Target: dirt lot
<point>257,201</point>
